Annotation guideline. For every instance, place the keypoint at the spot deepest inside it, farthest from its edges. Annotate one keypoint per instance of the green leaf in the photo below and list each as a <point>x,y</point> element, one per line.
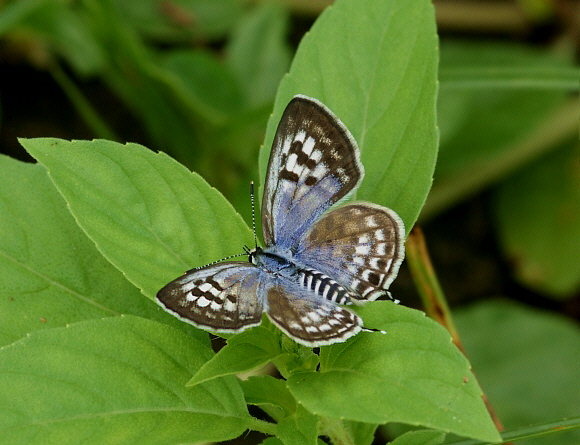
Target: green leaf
<point>114,380</point>
<point>51,273</point>
<point>361,433</point>
<point>148,215</point>
<point>421,437</point>
<point>527,362</point>
<point>301,428</point>
<point>538,220</point>
<point>258,53</point>
<point>374,64</point>
<point>266,391</point>
<point>272,441</point>
<point>244,352</point>
<point>413,375</point>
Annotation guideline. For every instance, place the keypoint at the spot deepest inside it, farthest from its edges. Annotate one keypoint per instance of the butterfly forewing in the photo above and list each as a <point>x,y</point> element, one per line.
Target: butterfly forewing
<point>313,164</point>
<point>360,245</point>
<point>223,297</point>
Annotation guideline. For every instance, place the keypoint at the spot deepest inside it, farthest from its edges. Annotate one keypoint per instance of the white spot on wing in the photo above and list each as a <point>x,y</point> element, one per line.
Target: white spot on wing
<point>203,302</point>
<point>308,145</point>
<point>291,161</point>
<point>205,287</point>
<point>363,250</point>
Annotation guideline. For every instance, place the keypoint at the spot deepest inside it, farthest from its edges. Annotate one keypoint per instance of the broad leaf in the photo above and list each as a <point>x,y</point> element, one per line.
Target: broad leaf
<point>374,64</point>
<point>51,273</point>
<point>114,380</point>
<point>413,374</point>
<point>149,216</point>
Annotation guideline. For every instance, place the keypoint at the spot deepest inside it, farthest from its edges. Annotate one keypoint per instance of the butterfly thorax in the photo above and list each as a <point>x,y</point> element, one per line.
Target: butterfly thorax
<point>306,277</point>
<point>272,262</point>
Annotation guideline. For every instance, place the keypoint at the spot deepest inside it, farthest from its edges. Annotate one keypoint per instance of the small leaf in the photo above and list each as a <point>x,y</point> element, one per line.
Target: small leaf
<point>374,64</point>
<point>301,428</point>
<point>421,437</point>
<point>413,374</point>
<point>362,433</point>
<point>267,390</point>
<point>150,217</point>
<point>246,351</point>
<point>114,380</point>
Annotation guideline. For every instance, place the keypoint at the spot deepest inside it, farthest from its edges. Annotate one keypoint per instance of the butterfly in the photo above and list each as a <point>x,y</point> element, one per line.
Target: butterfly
<point>315,258</point>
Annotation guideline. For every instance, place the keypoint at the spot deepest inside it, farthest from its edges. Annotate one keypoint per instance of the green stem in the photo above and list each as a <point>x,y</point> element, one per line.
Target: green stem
<point>262,426</point>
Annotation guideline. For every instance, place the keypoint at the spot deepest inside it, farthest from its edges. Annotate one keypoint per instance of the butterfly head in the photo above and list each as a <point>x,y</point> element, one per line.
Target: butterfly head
<point>253,254</point>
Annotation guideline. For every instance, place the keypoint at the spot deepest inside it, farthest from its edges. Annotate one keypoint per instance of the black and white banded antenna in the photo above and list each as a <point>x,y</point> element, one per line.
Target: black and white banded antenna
<point>253,214</point>
<point>217,261</point>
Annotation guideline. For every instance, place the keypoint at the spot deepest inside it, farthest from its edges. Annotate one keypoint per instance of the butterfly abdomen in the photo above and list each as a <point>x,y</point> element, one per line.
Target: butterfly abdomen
<point>323,285</point>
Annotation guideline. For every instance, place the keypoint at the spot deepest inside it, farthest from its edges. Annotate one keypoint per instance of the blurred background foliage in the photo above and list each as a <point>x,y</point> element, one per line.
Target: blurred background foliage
<point>197,80</point>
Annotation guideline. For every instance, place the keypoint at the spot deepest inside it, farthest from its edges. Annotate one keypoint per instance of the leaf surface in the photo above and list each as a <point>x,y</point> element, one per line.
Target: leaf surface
<point>51,272</point>
<point>374,64</point>
<point>149,216</point>
<point>413,374</point>
<point>114,380</point>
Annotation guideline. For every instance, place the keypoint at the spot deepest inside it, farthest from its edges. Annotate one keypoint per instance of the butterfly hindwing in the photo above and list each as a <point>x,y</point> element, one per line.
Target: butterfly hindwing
<point>360,245</point>
<point>308,319</point>
<point>314,163</point>
<point>223,297</point>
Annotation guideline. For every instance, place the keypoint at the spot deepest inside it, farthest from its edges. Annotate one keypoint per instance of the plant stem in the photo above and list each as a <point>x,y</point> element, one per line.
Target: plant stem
<point>432,296</point>
<point>262,426</point>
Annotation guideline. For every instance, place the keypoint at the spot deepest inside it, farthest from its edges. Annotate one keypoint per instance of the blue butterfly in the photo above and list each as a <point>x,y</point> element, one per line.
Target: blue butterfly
<point>315,259</point>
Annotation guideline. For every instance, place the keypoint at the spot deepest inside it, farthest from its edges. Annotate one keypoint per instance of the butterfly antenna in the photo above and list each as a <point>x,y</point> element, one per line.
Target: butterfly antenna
<point>219,261</point>
<point>253,213</point>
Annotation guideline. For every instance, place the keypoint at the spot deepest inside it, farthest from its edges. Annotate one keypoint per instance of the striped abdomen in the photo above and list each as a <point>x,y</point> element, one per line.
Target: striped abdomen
<point>323,286</point>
